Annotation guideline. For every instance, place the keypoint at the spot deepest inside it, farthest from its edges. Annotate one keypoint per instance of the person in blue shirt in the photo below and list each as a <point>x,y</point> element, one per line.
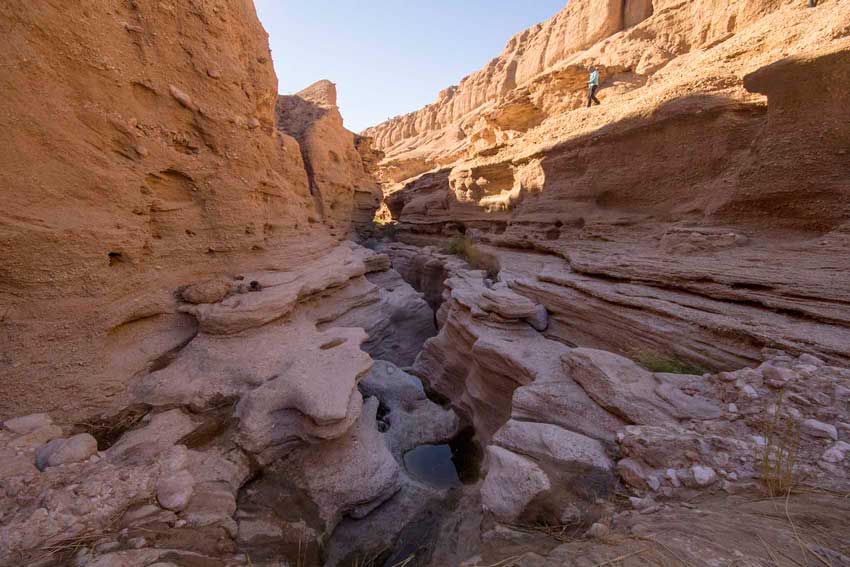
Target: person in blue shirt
<point>593,86</point>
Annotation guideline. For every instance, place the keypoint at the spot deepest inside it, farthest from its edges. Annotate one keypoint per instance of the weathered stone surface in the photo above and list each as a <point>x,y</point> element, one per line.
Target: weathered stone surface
<point>27,423</point>
<point>632,393</point>
<point>345,193</point>
<point>410,417</point>
<point>214,191</point>
<point>210,291</point>
<point>64,451</point>
<point>817,428</point>
<point>560,473</point>
<point>175,491</point>
<point>512,482</point>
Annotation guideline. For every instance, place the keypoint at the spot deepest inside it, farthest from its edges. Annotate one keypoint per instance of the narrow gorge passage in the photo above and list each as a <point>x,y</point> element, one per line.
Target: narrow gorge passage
<point>503,330</point>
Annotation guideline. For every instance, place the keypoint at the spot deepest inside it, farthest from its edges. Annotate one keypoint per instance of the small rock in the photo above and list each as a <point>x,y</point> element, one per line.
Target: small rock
<point>253,123</point>
<point>733,408</point>
<point>540,320</point>
<point>727,377</point>
<point>209,291</point>
<point>65,451</point>
<point>703,476</point>
<point>137,542</point>
<point>27,423</point>
<point>181,97</point>
<point>653,482</point>
<point>214,73</point>
<point>810,359</point>
<point>597,530</point>
<point>819,429</point>
<point>641,503</point>
<point>673,477</point>
<point>750,391</point>
<point>821,399</point>
<point>107,546</point>
<point>777,377</point>
<point>175,492</point>
<point>837,453</point>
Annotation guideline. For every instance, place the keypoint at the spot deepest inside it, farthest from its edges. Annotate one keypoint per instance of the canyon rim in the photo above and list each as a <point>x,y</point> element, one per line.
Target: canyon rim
<point>506,329</point>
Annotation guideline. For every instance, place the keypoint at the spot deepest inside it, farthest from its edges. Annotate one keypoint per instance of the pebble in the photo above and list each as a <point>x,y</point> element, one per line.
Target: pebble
<point>597,530</point>
<point>184,99</point>
<point>776,377</point>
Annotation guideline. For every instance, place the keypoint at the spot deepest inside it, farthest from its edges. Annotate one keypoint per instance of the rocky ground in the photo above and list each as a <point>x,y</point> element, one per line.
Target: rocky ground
<point>615,336</point>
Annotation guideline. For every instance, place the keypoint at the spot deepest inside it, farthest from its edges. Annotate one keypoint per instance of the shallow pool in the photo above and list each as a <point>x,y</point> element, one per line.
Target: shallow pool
<point>432,464</point>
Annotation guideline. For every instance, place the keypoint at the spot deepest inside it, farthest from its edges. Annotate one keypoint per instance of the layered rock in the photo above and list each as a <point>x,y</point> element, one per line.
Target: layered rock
<point>160,162</point>
<point>669,211</point>
<point>338,162</point>
<point>564,427</point>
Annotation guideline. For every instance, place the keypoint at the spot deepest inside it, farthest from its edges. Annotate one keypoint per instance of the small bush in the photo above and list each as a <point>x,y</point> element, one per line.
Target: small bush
<point>779,458</point>
<point>657,363</point>
<point>477,258</point>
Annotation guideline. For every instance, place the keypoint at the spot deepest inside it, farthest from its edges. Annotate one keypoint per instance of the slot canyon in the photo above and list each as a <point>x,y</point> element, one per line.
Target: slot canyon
<point>506,329</point>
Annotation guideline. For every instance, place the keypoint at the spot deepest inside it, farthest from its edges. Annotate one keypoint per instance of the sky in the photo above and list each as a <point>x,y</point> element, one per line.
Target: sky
<point>390,57</point>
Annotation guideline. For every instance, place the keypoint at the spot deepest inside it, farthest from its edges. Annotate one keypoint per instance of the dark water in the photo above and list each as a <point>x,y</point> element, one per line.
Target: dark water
<point>433,465</point>
<point>448,465</point>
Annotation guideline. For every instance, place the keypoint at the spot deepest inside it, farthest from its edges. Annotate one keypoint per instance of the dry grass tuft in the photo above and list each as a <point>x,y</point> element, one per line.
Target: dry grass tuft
<point>477,258</point>
<point>778,460</point>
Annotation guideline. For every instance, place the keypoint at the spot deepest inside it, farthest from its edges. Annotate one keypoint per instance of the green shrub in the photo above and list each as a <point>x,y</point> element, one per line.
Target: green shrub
<point>655,362</point>
<point>477,258</point>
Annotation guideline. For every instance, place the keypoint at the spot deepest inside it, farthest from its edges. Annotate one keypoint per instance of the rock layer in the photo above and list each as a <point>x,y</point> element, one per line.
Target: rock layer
<point>159,163</point>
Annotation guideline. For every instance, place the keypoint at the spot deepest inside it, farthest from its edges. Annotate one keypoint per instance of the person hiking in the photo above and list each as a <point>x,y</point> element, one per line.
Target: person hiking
<point>593,86</point>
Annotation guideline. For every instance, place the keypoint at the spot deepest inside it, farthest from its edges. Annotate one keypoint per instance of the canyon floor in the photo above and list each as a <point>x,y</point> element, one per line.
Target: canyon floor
<point>503,330</point>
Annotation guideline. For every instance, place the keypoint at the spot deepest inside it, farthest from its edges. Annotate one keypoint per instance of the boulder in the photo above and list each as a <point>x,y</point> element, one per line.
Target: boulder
<point>512,483</point>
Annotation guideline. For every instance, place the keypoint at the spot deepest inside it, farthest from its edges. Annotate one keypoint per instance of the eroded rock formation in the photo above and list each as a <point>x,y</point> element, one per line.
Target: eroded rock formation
<point>643,324</point>
<point>693,199</point>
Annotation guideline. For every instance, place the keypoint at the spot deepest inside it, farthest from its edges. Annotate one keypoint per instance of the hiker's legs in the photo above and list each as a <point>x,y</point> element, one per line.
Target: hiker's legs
<point>591,96</point>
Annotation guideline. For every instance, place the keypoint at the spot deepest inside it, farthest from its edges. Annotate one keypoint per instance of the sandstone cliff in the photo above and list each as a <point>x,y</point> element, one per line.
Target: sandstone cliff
<point>343,189</point>
<point>141,154</point>
<point>641,358</point>
<point>705,191</point>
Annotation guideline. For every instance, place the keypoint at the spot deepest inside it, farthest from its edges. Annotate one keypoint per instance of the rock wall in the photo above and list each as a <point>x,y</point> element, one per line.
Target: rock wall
<point>699,212</point>
<point>141,154</point>
<point>563,427</point>
<point>343,189</point>
<point>545,51</point>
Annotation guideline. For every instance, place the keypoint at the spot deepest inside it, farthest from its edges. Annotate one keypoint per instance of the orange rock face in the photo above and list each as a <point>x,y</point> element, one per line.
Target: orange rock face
<point>714,168</point>
<point>140,154</point>
<point>343,189</point>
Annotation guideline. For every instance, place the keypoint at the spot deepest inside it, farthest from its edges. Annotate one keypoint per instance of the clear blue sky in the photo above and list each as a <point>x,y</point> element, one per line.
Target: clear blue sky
<point>389,57</point>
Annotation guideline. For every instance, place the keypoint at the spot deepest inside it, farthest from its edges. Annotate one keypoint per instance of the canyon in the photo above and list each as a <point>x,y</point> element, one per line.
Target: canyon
<point>505,329</point>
